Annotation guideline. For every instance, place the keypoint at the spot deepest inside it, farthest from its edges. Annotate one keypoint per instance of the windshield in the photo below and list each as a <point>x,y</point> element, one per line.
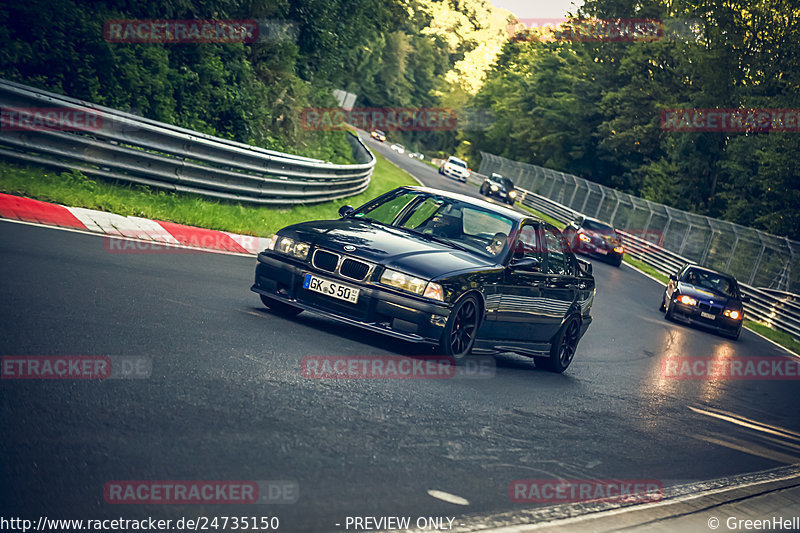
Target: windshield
<point>711,281</point>
<point>454,222</point>
<point>598,227</point>
<point>457,162</point>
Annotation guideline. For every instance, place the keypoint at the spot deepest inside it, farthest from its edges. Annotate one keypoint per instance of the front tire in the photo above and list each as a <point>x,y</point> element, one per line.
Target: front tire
<point>461,328</point>
<point>562,351</point>
<point>483,190</point>
<point>668,308</point>
<point>280,308</point>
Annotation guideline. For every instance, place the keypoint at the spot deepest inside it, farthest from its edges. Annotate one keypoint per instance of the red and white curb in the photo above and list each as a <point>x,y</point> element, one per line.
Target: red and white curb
<point>124,229</point>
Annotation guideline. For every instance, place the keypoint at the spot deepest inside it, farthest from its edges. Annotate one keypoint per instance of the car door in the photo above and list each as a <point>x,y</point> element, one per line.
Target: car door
<point>559,289</point>
<point>515,308</point>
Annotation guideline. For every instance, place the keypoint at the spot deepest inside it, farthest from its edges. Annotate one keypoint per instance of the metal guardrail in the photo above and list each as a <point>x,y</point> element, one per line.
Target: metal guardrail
<point>129,148</point>
<point>778,313</point>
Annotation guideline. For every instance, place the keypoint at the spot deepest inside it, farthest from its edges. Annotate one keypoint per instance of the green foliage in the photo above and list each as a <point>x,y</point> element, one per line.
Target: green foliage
<point>594,108</point>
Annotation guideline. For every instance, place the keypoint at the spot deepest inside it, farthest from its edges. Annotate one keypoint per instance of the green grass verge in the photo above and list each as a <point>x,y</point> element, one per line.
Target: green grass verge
<point>644,267</point>
<point>546,218</point>
<point>76,190</point>
<point>784,339</point>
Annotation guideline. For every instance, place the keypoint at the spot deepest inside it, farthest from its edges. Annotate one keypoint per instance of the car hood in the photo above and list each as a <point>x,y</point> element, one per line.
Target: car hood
<point>703,295</point>
<point>391,247</point>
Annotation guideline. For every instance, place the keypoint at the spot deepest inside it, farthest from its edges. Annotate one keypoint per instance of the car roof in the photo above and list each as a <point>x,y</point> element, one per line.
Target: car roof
<point>709,270</point>
<point>510,213</point>
<point>596,220</point>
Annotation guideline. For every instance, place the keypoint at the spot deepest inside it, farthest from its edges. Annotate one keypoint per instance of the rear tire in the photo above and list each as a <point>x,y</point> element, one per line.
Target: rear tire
<point>483,189</point>
<point>663,308</point>
<point>279,307</point>
<point>562,351</point>
<point>461,329</point>
<point>617,262</point>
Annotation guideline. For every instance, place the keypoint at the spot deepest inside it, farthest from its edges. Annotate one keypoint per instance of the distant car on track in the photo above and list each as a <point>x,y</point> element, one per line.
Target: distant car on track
<point>705,297</point>
<point>500,187</point>
<point>589,236</point>
<point>416,155</point>
<point>428,266</point>
<point>399,148</point>
<point>378,135</point>
<point>455,168</point>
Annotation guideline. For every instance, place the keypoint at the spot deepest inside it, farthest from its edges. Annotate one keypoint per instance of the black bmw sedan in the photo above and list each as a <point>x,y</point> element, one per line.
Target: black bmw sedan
<point>429,266</point>
<point>499,187</point>
<point>704,297</point>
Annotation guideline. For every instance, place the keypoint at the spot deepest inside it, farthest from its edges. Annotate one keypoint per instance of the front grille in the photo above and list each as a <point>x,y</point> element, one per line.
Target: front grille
<point>325,260</point>
<point>353,269</point>
<point>708,308</point>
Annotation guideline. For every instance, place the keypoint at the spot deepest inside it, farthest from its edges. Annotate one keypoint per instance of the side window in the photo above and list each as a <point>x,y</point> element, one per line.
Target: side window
<point>528,244</point>
<point>557,257</point>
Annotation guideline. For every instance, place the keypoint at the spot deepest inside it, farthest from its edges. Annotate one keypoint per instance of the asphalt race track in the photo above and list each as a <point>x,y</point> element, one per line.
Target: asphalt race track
<point>226,400</point>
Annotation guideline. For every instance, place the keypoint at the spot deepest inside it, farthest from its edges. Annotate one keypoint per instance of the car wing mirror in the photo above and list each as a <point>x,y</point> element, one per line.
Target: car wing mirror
<point>528,264</point>
<point>345,210</point>
<point>586,266</point>
<point>745,299</point>
<point>673,277</point>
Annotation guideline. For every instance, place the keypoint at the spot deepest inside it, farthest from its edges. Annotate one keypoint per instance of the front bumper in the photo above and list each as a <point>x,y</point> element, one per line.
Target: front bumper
<point>597,249</point>
<point>690,314</point>
<point>455,175</point>
<point>501,195</point>
<point>380,310</point>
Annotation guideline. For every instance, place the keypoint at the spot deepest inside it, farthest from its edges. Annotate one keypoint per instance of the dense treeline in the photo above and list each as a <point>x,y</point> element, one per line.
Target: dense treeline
<point>594,108</point>
<point>251,92</point>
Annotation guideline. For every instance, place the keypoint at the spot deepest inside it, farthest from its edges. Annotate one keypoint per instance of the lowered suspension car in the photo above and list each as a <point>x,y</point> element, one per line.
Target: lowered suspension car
<point>704,297</point>
<point>500,187</point>
<point>589,236</point>
<point>428,266</point>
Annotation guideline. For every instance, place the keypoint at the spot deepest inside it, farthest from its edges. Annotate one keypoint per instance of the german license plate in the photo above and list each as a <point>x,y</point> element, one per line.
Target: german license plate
<point>601,251</point>
<point>334,289</point>
<point>707,315</point>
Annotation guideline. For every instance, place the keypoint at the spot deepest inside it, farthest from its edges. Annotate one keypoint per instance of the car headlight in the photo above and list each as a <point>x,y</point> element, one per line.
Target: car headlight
<point>495,188</point>
<point>584,237</point>
<point>687,300</point>
<point>296,249</point>
<point>732,313</point>
<point>513,194</point>
<point>412,284</point>
<point>401,281</point>
<point>619,249</point>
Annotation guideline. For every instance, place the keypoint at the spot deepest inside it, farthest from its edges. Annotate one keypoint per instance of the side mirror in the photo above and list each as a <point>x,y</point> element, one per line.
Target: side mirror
<point>528,264</point>
<point>345,210</point>
<point>586,266</point>
<point>673,277</point>
<point>745,299</point>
